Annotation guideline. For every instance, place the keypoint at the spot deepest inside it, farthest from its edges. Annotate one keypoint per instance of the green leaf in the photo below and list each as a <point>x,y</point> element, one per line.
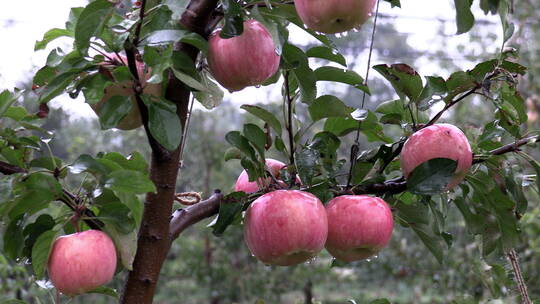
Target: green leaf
<point>129,181</point>
<point>7,99</point>
<point>328,106</point>
<point>105,291</point>
<point>464,16</point>
<point>125,243</point>
<point>434,86</point>
<point>86,163</point>
<point>234,23</point>
<point>43,183</point>
<point>196,40</point>
<point>432,176</point>
<point>256,136</point>
<point>51,35</point>
<point>16,113</point>
<point>163,37</point>
<point>117,215</point>
<point>230,208</point>
<point>394,3</point>
<point>239,141</point>
<point>94,87</point>
<point>14,238</point>
<point>265,115</point>
<point>306,162</point>
<point>303,74</point>
<point>133,203</point>
<point>324,52</point>
<point>41,251</point>
<point>112,111</point>
<point>48,163</point>
<point>212,95</point>
<point>432,242</point>
<point>403,78</point>
<point>91,22</point>
<point>340,126</point>
<point>333,74</point>
<point>56,86</point>
<point>164,124</point>
<point>384,301</point>
<point>457,83</point>
<point>32,231</point>
<point>135,161</point>
<point>232,153</point>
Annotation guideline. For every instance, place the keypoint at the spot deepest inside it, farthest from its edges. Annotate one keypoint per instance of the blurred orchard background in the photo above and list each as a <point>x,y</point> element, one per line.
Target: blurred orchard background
<point>221,270</point>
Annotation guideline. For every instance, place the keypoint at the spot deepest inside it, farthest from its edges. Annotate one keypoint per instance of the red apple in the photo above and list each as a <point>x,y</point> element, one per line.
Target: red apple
<point>358,226</point>
<point>285,227</point>
<point>133,119</point>
<point>437,141</point>
<point>245,60</point>
<point>82,261</point>
<point>243,183</point>
<point>334,16</point>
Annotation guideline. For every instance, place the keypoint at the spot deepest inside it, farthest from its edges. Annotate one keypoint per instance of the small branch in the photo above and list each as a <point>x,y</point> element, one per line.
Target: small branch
<point>522,286</point>
<point>512,147</point>
<point>8,169</point>
<point>69,199</point>
<point>451,104</point>
<point>136,38</point>
<point>288,103</point>
<point>185,217</point>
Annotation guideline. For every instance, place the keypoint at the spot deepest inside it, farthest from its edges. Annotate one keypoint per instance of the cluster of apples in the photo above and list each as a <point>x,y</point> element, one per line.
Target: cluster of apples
<point>250,58</point>
<point>287,227</point>
<point>282,227</point>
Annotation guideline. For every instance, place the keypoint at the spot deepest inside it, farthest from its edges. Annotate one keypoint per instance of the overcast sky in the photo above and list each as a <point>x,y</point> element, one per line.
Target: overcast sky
<point>22,22</point>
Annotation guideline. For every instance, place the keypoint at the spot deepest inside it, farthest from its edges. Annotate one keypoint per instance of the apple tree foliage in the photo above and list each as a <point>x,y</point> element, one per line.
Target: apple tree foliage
<point>47,194</point>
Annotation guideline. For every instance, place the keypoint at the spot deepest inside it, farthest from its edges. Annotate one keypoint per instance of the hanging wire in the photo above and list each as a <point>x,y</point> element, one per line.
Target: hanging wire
<point>185,133</point>
<point>354,148</point>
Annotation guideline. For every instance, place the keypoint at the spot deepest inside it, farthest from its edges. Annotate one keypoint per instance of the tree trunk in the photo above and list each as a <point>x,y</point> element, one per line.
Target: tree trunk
<point>308,292</point>
<point>154,239</point>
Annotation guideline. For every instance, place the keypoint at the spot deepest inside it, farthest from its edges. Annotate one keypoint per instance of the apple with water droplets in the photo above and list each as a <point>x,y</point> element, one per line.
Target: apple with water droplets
<point>334,16</point>
<point>359,226</point>
<point>81,262</point>
<point>245,60</point>
<point>285,227</point>
<point>437,141</point>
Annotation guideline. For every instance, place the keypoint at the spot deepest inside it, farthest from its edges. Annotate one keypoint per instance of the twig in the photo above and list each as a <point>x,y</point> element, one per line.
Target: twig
<point>139,25</point>
<point>67,198</point>
<point>185,132</point>
<point>522,286</point>
<point>289,104</point>
<point>451,104</point>
<point>512,147</point>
